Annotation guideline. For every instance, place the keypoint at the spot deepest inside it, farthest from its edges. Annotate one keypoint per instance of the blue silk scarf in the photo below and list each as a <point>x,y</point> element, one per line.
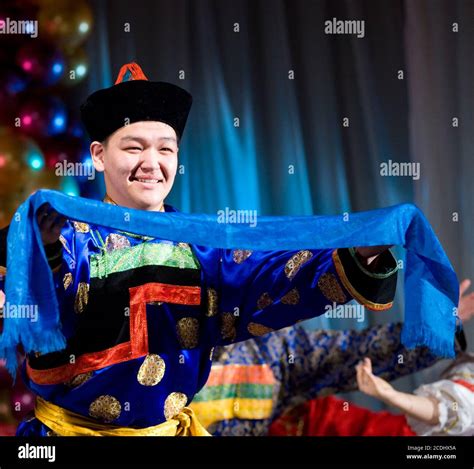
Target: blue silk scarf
<point>431,286</point>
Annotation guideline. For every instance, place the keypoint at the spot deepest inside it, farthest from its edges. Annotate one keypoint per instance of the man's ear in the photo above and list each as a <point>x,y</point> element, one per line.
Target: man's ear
<point>97,150</point>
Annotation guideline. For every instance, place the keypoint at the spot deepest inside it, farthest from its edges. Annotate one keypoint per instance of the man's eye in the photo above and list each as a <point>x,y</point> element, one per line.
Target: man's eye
<point>133,148</point>
<point>166,149</point>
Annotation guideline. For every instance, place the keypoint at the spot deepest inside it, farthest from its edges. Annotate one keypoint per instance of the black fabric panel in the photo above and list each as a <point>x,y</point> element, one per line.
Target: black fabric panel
<point>373,289</point>
<point>3,245</point>
<point>104,322</point>
<point>147,274</point>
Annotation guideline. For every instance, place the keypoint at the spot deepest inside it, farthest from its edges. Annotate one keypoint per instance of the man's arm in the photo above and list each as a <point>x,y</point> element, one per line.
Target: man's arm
<point>262,291</point>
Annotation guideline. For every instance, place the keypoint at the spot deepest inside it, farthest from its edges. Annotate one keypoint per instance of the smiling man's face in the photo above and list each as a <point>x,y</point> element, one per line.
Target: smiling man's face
<point>139,162</point>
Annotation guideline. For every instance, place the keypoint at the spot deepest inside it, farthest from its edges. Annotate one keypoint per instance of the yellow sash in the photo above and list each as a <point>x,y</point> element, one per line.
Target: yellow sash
<point>67,423</point>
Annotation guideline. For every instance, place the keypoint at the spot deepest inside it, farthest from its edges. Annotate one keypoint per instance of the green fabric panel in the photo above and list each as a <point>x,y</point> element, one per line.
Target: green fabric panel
<point>241,391</point>
<point>141,255</point>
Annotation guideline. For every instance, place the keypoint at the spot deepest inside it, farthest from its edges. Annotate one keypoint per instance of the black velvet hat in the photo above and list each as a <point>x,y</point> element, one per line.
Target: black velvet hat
<point>132,99</point>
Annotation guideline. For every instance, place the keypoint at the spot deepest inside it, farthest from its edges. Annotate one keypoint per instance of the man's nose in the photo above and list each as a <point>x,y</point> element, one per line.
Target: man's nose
<point>151,160</point>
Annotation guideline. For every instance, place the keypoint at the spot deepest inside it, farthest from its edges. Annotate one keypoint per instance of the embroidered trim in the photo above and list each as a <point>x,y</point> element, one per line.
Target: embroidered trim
<point>166,293</point>
<point>87,362</point>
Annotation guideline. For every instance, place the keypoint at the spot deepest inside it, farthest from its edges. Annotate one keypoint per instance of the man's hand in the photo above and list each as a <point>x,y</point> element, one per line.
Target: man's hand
<point>466,302</point>
<point>367,255</point>
<point>50,223</point>
<point>369,383</point>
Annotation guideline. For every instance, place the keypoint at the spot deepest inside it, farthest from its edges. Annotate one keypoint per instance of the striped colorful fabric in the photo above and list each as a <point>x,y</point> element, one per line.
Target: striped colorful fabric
<point>236,391</point>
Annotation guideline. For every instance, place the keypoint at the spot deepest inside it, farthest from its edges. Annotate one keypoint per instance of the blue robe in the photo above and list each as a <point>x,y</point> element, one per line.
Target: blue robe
<point>141,316</point>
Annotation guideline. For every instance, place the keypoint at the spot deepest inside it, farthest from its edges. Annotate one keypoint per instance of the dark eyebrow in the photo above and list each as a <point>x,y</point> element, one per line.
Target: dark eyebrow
<point>168,138</point>
<point>132,137</point>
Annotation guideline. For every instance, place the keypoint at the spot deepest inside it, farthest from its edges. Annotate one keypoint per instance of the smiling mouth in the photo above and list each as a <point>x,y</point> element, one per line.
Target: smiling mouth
<point>147,180</point>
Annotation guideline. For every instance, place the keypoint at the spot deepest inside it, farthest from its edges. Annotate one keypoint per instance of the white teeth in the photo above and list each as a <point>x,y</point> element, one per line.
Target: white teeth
<point>149,181</point>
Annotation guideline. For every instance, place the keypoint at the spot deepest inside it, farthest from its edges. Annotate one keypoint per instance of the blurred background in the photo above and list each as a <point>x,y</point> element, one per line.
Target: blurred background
<point>286,120</point>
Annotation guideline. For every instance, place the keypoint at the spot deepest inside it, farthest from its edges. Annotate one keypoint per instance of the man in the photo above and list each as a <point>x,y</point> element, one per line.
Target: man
<point>141,316</point>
